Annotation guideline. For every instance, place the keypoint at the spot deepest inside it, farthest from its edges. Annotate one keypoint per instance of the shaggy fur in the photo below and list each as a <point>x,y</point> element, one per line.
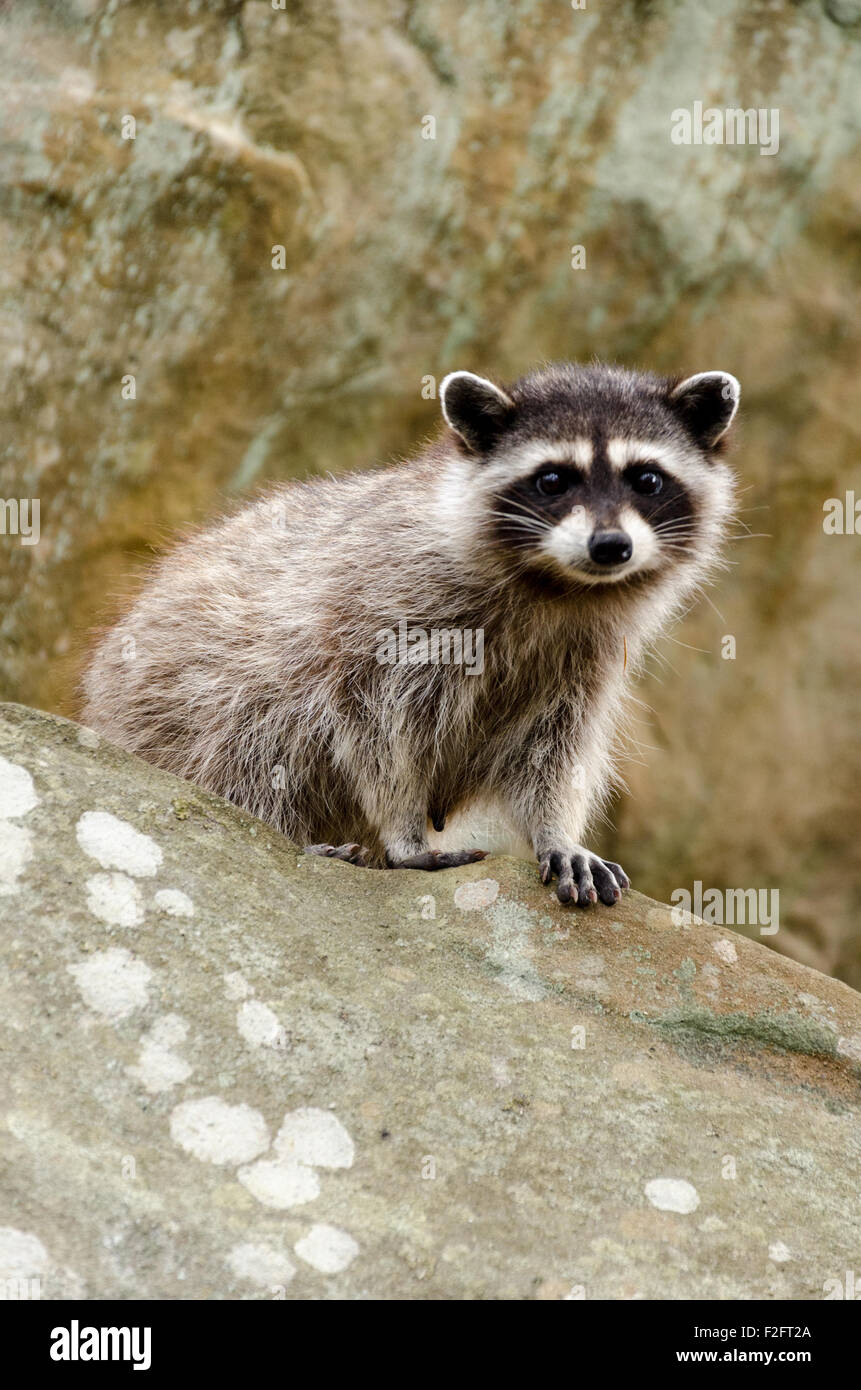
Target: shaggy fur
<point>249,662</point>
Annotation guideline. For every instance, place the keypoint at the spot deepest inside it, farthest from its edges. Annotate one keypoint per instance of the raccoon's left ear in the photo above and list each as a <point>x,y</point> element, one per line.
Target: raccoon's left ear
<point>707,404</point>
<point>476,409</point>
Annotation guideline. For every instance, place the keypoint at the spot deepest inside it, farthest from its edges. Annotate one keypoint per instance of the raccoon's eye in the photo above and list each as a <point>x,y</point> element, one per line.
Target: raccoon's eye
<point>551,483</point>
<point>648,481</point>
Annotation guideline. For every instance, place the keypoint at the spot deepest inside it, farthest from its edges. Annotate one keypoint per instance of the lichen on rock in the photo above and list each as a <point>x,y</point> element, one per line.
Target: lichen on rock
<point>502,1098</point>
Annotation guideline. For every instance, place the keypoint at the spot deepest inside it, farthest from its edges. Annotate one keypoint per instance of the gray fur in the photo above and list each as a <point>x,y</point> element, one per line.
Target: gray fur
<point>252,666</point>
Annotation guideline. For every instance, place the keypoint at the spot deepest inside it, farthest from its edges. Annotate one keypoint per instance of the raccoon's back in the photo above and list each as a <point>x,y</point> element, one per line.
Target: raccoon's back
<point>244,650</point>
<point>220,632</point>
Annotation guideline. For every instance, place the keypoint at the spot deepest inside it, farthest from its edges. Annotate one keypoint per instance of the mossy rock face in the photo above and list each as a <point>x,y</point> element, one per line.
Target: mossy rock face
<point>233,1070</point>
<point>406,257</point>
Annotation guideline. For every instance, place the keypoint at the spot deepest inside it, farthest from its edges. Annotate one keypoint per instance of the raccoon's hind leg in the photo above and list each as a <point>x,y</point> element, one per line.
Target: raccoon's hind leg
<point>351,854</point>
<point>397,806</point>
<point>407,847</point>
<point>438,859</point>
<point>425,859</point>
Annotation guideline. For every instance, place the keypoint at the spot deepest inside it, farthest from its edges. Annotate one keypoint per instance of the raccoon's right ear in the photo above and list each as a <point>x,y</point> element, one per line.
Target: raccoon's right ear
<point>477,410</point>
<point>707,404</point>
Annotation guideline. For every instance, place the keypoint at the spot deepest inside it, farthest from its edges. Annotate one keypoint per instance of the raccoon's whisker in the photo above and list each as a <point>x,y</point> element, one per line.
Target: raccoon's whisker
<point>522,518</point>
<point>668,537</point>
<point>526,523</point>
<point>653,674</point>
<point>703,594</point>
<point>674,524</point>
<point>666,503</point>
<point>679,643</point>
<point>678,529</point>
<point>664,660</point>
<point>526,513</point>
<point>655,655</point>
<point>674,533</point>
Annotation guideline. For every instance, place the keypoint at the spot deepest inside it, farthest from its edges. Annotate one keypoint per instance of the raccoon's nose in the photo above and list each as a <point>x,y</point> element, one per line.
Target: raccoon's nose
<point>610,547</point>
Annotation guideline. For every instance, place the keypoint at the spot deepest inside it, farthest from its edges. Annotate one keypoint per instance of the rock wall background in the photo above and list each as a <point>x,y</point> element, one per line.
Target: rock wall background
<point>406,257</point>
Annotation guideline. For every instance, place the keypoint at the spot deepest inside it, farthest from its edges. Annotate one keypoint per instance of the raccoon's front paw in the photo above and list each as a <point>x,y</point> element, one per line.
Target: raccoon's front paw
<point>582,877</point>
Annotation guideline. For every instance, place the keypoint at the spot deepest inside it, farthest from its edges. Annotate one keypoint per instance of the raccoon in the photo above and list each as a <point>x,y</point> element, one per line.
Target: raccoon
<point>284,658</point>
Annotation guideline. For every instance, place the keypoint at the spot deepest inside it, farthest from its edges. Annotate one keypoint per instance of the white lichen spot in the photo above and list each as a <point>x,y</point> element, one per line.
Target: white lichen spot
<point>711,976</point>
<point>115,899</point>
<point>327,1249</point>
<point>17,792</point>
<point>590,965</point>
<point>280,1184</point>
<point>22,1255</point>
<point>169,1031</point>
<point>812,1002</point>
<point>159,1068</point>
<point>672,1194</point>
<point>590,975</point>
<point>16,851</point>
<point>174,902</point>
<point>726,950</point>
<point>216,1132</point>
<point>664,918</point>
<point>235,985</point>
<point>258,1025</point>
<point>261,1264</point>
<point>595,985</point>
<point>500,1071</point>
<point>511,951</point>
<point>79,84</point>
<point>113,983</point>
<point>779,1252</point>
<point>115,844</point>
<point>400,973</point>
<point>88,738</point>
<point>471,896</point>
<point>849,1047</point>
<point>315,1137</point>
<point>711,1224</point>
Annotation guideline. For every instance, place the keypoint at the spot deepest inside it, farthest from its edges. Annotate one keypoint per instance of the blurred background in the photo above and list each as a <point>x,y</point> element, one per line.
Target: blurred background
<point>427,167</point>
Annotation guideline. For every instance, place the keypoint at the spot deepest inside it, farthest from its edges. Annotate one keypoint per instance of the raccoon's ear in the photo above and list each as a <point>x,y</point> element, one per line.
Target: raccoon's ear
<point>707,404</point>
<point>476,409</point>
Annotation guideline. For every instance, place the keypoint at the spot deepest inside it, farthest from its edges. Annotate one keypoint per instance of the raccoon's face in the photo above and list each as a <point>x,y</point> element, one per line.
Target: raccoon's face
<point>598,475</point>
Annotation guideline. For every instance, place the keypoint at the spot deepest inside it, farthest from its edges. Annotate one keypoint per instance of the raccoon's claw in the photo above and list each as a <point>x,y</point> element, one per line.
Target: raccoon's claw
<point>582,877</point>
<point>618,873</point>
<point>351,854</point>
<point>439,859</point>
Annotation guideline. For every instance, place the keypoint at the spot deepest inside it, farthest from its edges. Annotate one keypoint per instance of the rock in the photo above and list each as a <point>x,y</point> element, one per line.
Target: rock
<point>317,1081</point>
<point>303,128</point>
